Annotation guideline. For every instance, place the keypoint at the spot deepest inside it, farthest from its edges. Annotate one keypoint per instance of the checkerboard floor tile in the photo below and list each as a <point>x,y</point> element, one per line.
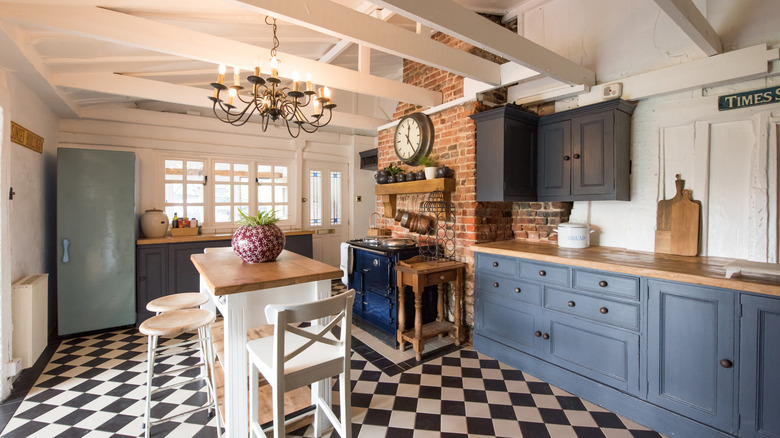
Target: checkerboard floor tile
<point>94,386</point>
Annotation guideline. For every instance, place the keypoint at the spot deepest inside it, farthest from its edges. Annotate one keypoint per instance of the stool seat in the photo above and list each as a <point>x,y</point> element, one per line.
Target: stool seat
<point>185,300</point>
<point>176,322</point>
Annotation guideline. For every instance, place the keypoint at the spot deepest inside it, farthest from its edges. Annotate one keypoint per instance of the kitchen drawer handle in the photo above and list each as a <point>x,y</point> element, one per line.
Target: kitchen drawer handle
<point>603,283</point>
<point>142,278</point>
<point>517,290</point>
<point>366,270</point>
<point>495,264</point>
<point>725,363</point>
<point>538,334</point>
<point>566,158</point>
<point>571,303</point>
<point>442,277</point>
<point>545,336</point>
<point>603,310</point>
<point>576,156</point>
<point>542,272</point>
<point>495,284</point>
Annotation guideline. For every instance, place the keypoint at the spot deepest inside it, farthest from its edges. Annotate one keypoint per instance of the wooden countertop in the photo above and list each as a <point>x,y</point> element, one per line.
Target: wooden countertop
<point>205,237</point>
<point>707,271</point>
<point>225,273</point>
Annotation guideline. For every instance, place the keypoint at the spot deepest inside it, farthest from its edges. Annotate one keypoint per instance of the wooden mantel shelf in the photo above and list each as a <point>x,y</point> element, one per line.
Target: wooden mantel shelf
<point>390,191</point>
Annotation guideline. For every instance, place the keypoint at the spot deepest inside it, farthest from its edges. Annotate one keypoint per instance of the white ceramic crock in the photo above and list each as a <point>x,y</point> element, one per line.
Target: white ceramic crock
<point>571,235</point>
<point>154,223</point>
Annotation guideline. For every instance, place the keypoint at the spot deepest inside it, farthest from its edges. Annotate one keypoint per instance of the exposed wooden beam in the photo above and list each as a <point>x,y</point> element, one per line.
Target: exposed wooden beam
<point>459,22</point>
<point>341,46</point>
<point>125,29</point>
<point>693,23</point>
<point>333,19</point>
<point>191,96</point>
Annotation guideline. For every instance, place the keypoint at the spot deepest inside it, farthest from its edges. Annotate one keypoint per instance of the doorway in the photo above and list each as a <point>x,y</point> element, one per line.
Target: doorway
<point>325,210</point>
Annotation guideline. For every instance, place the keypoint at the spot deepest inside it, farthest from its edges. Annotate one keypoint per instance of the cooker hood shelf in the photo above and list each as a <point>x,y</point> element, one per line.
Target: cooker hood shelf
<point>389,192</point>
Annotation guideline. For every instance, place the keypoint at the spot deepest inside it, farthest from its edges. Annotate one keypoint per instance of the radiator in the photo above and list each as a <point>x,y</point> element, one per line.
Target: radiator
<point>30,317</point>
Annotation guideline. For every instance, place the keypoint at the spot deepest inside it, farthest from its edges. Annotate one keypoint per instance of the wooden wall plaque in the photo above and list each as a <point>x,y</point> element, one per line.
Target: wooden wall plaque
<point>26,138</point>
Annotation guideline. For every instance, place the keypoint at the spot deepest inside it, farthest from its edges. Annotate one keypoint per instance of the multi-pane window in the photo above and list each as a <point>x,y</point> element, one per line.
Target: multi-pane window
<point>273,190</point>
<point>184,182</point>
<point>231,191</point>
<point>335,198</point>
<point>315,198</point>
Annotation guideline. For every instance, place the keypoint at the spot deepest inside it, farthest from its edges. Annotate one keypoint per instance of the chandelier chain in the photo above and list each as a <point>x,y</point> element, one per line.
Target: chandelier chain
<point>275,40</point>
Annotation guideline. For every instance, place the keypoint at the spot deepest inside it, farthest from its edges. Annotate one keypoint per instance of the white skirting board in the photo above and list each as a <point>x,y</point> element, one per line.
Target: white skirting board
<point>30,317</point>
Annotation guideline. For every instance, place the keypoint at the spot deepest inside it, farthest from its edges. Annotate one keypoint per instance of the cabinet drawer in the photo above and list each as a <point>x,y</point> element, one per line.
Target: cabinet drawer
<point>512,288</point>
<point>608,283</point>
<point>440,277</point>
<point>545,272</point>
<point>604,354</point>
<point>489,263</point>
<point>506,321</point>
<point>599,309</point>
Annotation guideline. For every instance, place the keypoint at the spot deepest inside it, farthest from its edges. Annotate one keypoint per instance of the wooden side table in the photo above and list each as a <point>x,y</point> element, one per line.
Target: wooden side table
<point>418,275</point>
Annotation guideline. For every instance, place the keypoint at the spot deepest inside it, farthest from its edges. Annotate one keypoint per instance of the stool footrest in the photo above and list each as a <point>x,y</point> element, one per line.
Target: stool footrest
<point>177,385</point>
<point>178,370</point>
<point>190,412</point>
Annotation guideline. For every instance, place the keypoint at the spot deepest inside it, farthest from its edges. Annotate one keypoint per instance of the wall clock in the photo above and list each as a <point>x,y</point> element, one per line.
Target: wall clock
<point>413,137</point>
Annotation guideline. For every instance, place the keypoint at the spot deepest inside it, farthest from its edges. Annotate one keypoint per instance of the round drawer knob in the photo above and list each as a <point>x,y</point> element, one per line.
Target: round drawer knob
<point>542,273</point>
<point>603,310</point>
<point>570,303</point>
<point>538,334</point>
<point>495,284</point>
<point>495,264</point>
<point>725,363</point>
<point>142,278</point>
<point>566,158</point>
<point>442,277</point>
<point>603,283</point>
<point>545,336</point>
<point>576,156</point>
<point>517,290</point>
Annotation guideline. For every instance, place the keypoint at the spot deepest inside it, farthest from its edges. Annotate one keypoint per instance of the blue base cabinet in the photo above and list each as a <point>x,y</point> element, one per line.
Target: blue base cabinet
<point>683,359</point>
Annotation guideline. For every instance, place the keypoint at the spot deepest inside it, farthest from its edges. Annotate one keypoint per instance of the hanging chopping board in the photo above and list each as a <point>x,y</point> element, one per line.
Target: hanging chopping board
<point>677,223</point>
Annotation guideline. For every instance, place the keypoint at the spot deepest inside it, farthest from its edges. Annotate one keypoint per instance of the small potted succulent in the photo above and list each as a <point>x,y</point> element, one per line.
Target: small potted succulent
<point>430,166</point>
<point>396,174</point>
<point>258,239</point>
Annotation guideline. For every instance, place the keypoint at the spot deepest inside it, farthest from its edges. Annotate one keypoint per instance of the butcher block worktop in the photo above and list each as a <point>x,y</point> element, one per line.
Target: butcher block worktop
<point>707,271</point>
<point>225,273</point>
<point>205,237</point>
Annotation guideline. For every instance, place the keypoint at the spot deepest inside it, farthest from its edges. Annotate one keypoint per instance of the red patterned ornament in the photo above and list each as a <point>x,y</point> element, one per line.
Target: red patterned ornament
<point>258,243</point>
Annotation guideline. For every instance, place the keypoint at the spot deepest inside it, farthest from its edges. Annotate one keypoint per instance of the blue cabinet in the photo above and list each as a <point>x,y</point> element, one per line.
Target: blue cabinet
<point>691,351</point>
<point>759,397</point>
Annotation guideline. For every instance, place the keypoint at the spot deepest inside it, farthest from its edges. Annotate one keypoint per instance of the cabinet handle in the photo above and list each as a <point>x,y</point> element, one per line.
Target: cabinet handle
<point>603,310</point>
<point>545,336</point>
<point>495,284</point>
<point>142,279</point>
<point>566,158</point>
<point>570,303</point>
<point>442,277</point>
<point>576,156</point>
<point>495,264</point>
<point>603,283</point>
<point>517,290</point>
<point>538,334</point>
<point>542,273</point>
<point>725,363</point>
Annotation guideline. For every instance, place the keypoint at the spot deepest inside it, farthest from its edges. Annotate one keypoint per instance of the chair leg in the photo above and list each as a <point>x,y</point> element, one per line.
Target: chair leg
<point>318,413</point>
<point>150,354</point>
<point>345,399</point>
<point>204,358</point>
<point>212,381</point>
<point>278,409</point>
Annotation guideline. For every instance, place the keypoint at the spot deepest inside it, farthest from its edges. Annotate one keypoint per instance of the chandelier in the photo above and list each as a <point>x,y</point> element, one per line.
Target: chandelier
<point>271,100</point>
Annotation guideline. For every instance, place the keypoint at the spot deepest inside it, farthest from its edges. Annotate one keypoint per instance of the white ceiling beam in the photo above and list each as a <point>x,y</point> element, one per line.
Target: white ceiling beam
<point>138,32</point>
<point>162,91</point>
<point>459,22</point>
<point>336,20</point>
<point>341,46</point>
<point>690,19</point>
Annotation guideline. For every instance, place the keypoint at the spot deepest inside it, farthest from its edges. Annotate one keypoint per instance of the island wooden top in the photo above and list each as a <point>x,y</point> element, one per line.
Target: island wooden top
<point>225,273</point>
<point>707,271</point>
<point>205,237</point>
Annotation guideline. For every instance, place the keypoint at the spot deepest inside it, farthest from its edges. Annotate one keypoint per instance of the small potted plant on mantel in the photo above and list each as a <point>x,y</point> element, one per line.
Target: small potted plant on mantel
<point>430,166</point>
<point>258,239</point>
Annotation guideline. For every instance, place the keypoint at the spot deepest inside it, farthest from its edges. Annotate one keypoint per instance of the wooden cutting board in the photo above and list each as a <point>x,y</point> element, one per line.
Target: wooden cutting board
<point>677,223</point>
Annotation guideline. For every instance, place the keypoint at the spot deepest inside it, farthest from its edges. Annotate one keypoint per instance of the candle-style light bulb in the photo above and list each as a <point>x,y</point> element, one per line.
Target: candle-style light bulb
<point>221,77</point>
<point>308,81</point>
<point>316,107</point>
<point>274,67</point>
<point>233,94</point>
<point>326,92</point>
<point>295,80</point>
<point>236,76</point>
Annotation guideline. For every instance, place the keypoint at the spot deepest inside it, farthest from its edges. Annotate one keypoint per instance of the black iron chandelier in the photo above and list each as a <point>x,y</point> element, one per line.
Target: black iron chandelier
<point>272,101</point>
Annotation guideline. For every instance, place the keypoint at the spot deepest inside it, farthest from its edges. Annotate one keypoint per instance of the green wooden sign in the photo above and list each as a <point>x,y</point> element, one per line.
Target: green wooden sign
<point>749,98</point>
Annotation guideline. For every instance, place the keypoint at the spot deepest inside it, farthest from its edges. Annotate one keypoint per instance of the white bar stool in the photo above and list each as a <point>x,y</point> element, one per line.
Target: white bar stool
<point>180,301</point>
<point>169,325</point>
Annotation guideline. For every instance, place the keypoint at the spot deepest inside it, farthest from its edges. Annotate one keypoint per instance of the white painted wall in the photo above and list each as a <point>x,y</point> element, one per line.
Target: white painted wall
<point>28,221</point>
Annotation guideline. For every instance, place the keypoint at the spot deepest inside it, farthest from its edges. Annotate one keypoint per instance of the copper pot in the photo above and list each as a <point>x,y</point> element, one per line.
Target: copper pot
<point>399,215</point>
<point>408,219</point>
<point>425,224</point>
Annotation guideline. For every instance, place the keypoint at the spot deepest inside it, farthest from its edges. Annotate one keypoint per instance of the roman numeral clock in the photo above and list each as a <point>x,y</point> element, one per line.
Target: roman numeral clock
<point>413,137</point>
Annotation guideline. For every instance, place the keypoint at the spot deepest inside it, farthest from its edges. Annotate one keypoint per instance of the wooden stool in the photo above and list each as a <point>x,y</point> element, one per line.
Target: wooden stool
<point>180,301</point>
<point>169,325</point>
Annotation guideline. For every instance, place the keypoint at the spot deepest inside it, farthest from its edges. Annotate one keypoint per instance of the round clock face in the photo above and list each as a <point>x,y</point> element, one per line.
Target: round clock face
<point>413,137</point>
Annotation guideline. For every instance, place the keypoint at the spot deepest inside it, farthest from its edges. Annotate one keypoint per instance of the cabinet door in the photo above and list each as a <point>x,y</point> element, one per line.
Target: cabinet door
<point>182,275</point>
<point>759,398</point>
<point>555,159</point>
<point>592,154</point>
<point>152,278</point>
<point>690,351</point>
<point>510,322</point>
<point>519,173</point>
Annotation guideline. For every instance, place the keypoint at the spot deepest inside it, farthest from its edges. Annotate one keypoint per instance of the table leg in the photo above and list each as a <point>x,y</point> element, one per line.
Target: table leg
<point>419,342</point>
<point>457,296</point>
<point>401,311</point>
<point>236,397</point>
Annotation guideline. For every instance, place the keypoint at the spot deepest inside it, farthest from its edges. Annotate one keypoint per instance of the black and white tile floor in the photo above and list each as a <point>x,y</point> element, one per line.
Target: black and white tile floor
<point>93,386</point>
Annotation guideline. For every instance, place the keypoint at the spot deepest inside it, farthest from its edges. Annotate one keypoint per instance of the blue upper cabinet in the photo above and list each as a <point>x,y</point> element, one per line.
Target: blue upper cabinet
<point>691,351</point>
<point>759,398</point>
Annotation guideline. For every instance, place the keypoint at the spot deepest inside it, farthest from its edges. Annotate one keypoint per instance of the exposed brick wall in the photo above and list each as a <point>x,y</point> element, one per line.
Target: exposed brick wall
<point>454,145</point>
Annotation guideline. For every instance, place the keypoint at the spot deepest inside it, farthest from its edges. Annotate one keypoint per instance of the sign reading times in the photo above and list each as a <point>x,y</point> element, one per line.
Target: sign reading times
<point>749,98</point>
